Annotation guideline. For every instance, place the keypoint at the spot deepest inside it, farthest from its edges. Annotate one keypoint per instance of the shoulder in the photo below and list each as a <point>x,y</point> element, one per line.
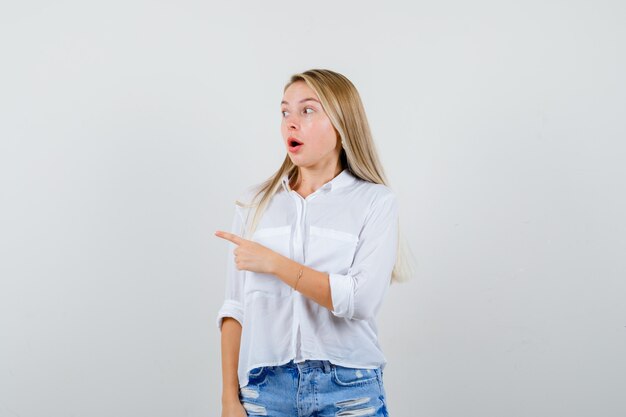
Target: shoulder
<point>375,193</point>
<point>247,195</point>
<point>373,202</point>
<point>245,199</point>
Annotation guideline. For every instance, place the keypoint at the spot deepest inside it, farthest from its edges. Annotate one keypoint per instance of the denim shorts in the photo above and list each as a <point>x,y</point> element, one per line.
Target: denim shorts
<point>314,388</point>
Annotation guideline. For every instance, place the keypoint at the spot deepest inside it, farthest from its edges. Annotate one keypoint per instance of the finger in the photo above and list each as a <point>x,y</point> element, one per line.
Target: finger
<point>229,236</point>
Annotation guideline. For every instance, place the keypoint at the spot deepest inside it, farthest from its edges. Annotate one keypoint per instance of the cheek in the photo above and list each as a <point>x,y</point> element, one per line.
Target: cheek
<point>326,134</point>
<point>330,136</point>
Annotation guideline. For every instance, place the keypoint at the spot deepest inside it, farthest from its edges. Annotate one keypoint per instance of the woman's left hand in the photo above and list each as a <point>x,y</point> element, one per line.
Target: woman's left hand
<point>249,255</point>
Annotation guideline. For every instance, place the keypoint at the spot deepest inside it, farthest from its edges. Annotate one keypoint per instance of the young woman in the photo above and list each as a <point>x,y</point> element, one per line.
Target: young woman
<point>313,252</point>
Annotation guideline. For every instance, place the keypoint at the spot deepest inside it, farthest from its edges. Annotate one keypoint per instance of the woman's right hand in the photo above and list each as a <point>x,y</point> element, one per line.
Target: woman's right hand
<point>233,409</point>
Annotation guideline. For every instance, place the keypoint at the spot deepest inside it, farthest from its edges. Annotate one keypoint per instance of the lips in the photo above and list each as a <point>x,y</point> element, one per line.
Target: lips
<point>293,141</point>
<point>294,144</point>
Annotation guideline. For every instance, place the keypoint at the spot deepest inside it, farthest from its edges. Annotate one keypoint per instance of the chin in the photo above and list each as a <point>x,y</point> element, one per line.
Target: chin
<point>296,161</point>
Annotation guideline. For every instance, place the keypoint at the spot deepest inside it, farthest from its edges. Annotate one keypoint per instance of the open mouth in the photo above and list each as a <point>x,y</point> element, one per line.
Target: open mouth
<point>294,144</point>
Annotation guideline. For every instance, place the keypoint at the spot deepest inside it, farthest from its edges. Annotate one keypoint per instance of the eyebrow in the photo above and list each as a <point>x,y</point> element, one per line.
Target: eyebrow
<point>303,100</point>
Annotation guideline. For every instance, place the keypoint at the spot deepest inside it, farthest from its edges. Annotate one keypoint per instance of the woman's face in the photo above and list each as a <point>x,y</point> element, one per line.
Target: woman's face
<point>304,121</point>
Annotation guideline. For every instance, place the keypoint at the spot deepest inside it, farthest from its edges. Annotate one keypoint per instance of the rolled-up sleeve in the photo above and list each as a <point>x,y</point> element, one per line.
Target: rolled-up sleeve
<point>233,298</point>
<point>359,293</point>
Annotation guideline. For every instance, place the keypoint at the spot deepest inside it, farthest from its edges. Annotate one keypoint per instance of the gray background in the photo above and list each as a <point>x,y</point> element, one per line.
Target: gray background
<point>128,128</point>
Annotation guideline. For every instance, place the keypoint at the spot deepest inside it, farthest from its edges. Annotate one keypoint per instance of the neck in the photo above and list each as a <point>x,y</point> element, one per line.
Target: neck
<point>312,179</point>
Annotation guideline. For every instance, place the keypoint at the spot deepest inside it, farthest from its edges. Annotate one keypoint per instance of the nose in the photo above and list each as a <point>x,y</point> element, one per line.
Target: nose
<point>291,122</point>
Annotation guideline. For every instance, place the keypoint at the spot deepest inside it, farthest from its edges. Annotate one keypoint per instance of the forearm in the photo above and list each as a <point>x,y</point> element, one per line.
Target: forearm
<point>312,284</point>
<point>231,339</point>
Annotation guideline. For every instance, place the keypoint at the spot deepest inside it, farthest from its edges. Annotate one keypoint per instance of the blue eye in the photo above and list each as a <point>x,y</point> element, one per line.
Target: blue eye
<point>308,108</point>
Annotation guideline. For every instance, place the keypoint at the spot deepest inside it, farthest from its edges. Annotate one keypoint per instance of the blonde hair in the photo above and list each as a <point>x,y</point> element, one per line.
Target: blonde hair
<point>342,104</point>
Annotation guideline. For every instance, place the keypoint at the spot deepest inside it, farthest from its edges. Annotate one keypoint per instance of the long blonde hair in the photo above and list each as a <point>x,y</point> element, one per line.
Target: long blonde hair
<point>342,104</point>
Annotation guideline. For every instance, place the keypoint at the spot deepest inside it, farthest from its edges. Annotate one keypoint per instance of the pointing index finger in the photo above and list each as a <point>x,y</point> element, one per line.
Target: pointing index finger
<point>229,236</point>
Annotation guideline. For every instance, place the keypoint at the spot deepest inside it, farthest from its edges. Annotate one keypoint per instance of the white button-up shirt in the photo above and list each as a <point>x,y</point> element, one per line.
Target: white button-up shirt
<point>347,228</point>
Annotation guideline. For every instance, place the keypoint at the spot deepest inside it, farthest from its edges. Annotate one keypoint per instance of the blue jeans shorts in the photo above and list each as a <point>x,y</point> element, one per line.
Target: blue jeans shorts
<point>314,388</point>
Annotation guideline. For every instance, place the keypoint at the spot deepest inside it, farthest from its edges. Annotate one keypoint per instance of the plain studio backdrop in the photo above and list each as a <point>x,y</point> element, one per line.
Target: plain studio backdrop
<point>128,128</point>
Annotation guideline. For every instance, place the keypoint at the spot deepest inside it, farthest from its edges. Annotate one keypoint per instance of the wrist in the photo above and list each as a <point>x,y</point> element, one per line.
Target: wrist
<point>276,264</point>
<point>230,392</point>
<point>230,399</point>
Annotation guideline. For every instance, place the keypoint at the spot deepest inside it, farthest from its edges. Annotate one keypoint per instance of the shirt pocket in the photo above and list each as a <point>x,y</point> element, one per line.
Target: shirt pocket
<point>330,249</point>
<point>278,240</point>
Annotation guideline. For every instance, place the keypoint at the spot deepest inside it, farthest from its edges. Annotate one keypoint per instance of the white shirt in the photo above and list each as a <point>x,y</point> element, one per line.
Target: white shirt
<point>347,228</point>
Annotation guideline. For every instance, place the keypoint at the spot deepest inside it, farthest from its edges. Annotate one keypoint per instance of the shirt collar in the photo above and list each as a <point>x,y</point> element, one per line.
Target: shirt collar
<point>343,179</point>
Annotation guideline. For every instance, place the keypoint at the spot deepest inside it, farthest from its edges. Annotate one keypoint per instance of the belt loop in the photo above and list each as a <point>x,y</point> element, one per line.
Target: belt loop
<point>326,366</point>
